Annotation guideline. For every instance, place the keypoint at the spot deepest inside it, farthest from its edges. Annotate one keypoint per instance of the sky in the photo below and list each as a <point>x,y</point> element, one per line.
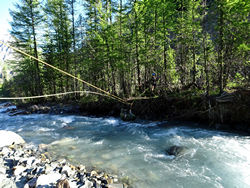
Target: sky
<point>5,17</point>
<point>5,5</point>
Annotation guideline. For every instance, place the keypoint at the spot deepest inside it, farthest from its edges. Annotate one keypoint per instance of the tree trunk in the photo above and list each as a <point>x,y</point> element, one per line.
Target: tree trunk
<point>194,61</point>
<point>137,50</point>
<point>164,46</point>
<point>220,50</point>
<point>74,44</point>
<point>38,78</point>
<point>204,42</point>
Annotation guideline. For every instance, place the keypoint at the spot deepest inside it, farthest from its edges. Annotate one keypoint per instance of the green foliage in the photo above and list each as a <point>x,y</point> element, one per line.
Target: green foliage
<point>118,44</point>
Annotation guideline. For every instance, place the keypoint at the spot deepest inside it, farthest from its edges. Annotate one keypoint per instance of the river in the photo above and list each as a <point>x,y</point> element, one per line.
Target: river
<point>136,151</point>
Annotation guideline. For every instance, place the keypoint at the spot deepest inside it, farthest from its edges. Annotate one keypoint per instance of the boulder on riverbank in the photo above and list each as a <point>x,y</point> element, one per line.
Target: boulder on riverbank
<point>8,138</point>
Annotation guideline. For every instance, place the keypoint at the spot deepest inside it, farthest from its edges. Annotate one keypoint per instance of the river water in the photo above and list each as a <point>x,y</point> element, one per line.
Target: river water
<point>136,151</point>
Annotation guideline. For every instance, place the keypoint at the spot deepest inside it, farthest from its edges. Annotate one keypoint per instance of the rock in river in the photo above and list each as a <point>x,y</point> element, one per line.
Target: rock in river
<point>176,150</point>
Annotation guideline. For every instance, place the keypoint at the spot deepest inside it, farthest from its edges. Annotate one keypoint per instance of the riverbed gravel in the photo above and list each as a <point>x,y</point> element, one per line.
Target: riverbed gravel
<point>28,166</point>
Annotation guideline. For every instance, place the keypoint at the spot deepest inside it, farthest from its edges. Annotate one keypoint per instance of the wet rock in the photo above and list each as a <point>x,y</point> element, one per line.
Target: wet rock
<point>68,127</point>
<point>44,109</point>
<point>38,109</point>
<point>19,112</point>
<point>7,104</point>
<point>127,115</point>
<point>8,138</point>
<point>71,109</point>
<point>33,108</point>
<point>65,109</point>
<point>176,150</point>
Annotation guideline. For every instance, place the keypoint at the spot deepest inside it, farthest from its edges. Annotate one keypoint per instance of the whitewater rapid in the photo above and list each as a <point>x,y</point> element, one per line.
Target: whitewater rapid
<point>137,151</point>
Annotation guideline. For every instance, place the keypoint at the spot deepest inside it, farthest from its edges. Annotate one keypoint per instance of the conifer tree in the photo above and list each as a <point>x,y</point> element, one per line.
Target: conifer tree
<point>26,18</point>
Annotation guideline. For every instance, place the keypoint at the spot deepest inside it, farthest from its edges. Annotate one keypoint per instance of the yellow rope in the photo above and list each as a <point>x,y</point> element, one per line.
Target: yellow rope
<point>43,62</point>
<point>50,95</point>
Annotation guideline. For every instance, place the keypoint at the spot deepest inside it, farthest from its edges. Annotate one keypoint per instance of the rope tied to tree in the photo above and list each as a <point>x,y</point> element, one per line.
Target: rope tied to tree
<point>66,73</point>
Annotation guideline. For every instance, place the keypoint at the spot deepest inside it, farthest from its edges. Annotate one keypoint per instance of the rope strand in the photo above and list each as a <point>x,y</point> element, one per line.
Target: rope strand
<point>68,74</point>
<point>51,95</point>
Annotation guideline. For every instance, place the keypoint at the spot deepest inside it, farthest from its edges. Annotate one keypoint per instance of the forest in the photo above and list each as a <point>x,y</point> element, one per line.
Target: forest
<point>117,45</point>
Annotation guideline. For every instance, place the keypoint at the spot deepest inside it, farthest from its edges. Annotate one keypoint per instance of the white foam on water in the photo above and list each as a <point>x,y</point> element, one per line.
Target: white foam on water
<point>66,119</point>
<point>143,149</point>
<point>66,140</point>
<point>213,158</point>
<point>99,142</point>
<point>149,156</point>
<point>20,130</point>
<point>112,121</point>
<point>44,129</point>
<point>167,132</point>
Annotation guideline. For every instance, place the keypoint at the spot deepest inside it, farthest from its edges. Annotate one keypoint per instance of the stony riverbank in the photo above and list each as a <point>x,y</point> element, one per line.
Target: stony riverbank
<point>28,166</point>
<point>228,111</point>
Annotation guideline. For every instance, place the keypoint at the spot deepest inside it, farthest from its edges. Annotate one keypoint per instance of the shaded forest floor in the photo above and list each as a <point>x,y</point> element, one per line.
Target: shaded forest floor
<point>229,111</point>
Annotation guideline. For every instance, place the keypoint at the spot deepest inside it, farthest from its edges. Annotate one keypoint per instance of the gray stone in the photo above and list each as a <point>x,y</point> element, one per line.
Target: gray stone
<point>6,183</point>
<point>18,112</point>
<point>2,170</point>
<point>93,173</point>
<point>82,168</point>
<point>31,160</point>
<point>5,151</point>
<point>34,108</point>
<point>68,171</point>
<point>8,138</point>
<point>19,170</point>
<point>62,161</point>
<point>87,184</point>
<point>177,150</point>
<point>98,183</point>
<point>54,165</point>
<point>46,180</point>
<point>48,169</point>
